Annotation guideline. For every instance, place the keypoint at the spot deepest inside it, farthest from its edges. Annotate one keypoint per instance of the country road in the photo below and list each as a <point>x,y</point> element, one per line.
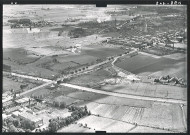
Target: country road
<point>36,88</point>
<point>125,95</point>
<point>138,97</point>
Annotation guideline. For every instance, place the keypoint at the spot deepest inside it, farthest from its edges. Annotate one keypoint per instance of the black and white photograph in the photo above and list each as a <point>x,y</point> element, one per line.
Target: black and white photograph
<point>75,68</point>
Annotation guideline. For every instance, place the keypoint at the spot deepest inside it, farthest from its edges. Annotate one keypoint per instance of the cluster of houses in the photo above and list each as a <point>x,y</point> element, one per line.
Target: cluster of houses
<point>170,80</point>
<point>25,22</point>
<point>135,42</point>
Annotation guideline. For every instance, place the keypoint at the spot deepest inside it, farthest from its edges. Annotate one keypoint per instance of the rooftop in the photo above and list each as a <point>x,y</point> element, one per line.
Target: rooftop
<point>23,100</point>
<point>16,113</point>
<point>30,116</point>
<point>7,99</point>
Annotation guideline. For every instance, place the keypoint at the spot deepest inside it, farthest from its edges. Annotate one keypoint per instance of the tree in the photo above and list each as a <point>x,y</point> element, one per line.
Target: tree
<point>56,103</point>
<point>85,107</point>
<point>72,119</point>
<point>89,113</point>
<point>67,121</point>
<point>53,126</point>
<point>10,120</point>
<point>27,130</point>
<point>63,122</point>
<point>55,60</point>
<point>16,122</point>
<point>62,105</point>
<point>72,72</point>
<point>27,125</point>
<point>12,128</point>
<point>76,117</point>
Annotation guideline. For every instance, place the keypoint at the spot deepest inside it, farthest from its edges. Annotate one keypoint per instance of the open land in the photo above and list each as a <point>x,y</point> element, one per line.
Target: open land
<point>124,63</point>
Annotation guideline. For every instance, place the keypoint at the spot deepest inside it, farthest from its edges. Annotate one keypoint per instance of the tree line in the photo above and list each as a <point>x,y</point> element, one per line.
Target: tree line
<point>59,122</point>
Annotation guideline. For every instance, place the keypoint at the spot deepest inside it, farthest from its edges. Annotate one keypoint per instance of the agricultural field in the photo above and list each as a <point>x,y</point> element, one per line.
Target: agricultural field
<point>80,59</point>
<point>148,89</point>
<point>91,78</point>
<point>105,124</point>
<point>60,96</point>
<point>18,84</point>
<point>168,116</point>
<point>19,56</point>
<point>185,111</point>
<point>178,70</point>
<point>160,115</point>
<point>61,62</point>
<point>117,112</point>
<point>9,84</point>
<point>59,67</point>
<point>48,50</point>
<point>34,71</point>
<point>142,129</point>
<point>76,128</point>
<point>146,65</point>
<point>103,52</point>
<point>159,51</point>
<point>66,100</point>
<point>41,93</point>
<point>109,100</point>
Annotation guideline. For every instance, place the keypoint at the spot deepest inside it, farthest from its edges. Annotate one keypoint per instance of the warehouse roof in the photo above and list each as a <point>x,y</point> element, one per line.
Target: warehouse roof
<point>30,116</point>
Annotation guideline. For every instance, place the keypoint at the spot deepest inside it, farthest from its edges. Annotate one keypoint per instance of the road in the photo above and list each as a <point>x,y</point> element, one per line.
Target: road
<point>116,68</point>
<point>36,88</point>
<point>31,77</point>
<point>138,97</point>
<point>176,101</point>
<point>48,82</point>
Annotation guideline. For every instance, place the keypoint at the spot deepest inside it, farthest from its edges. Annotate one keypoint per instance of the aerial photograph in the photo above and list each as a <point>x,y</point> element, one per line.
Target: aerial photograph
<point>81,68</point>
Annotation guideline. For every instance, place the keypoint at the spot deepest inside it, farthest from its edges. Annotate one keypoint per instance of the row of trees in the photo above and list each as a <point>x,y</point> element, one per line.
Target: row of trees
<point>59,104</point>
<point>77,113</point>
<point>76,71</point>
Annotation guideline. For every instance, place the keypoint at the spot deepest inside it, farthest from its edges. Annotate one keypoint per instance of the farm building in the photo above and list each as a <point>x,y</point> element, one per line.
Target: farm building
<point>25,101</point>
<point>10,110</point>
<point>32,118</point>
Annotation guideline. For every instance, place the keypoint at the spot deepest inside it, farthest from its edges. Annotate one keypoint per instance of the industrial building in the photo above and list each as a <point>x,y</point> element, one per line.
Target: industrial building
<point>32,118</point>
